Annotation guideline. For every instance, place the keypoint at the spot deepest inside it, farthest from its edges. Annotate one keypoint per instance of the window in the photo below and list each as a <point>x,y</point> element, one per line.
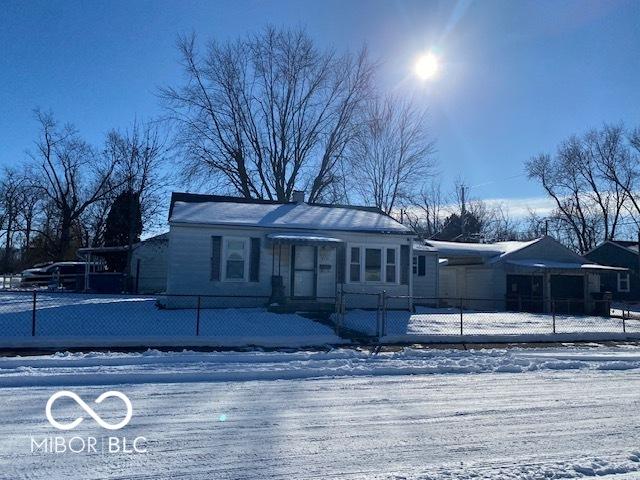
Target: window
<point>415,265</point>
<point>235,259</point>
<point>390,274</point>
<point>623,282</point>
<point>373,264</point>
<point>422,266</point>
<point>354,265</point>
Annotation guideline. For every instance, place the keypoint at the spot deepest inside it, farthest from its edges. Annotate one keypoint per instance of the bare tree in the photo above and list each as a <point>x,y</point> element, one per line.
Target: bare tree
<point>70,176</point>
<point>267,114</point>
<point>392,154</point>
<point>141,153</point>
<point>590,183</point>
<point>425,212</point>
<point>10,206</point>
<point>618,160</point>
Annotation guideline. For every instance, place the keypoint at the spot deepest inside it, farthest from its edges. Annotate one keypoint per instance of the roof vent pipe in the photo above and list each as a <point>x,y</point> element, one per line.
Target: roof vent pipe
<point>298,196</point>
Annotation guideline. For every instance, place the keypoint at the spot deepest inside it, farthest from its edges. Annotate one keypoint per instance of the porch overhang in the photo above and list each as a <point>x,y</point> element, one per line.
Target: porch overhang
<point>547,265</point>
<point>295,238</point>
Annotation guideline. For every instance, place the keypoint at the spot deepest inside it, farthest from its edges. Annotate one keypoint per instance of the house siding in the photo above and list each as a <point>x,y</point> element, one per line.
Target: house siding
<point>189,266</point>
<point>426,287</point>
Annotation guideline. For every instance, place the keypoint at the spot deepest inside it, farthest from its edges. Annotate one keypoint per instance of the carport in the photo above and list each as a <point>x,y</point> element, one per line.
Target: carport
<point>545,286</point>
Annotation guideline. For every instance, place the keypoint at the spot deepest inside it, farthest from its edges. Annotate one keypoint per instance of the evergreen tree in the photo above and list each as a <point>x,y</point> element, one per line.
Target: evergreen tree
<point>124,220</point>
<point>124,217</point>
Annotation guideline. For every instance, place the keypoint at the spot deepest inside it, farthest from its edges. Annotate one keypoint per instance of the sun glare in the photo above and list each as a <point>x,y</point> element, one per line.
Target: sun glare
<point>427,66</point>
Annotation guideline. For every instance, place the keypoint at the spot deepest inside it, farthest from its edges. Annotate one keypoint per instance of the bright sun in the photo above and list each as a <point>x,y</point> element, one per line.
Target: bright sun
<point>427,66</point>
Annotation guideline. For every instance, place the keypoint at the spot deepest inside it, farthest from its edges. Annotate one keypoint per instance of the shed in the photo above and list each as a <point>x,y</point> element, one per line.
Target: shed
<point>149,264</point>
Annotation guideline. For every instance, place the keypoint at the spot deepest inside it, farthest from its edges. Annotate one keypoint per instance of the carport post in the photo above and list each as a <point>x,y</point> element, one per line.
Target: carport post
<point>33,316</point>
<point>460,316</point>
<point>624,325</point>
<point>553,313</point>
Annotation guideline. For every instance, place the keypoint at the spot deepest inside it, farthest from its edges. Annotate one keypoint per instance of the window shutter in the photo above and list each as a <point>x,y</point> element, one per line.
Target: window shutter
<point>404,264</point>
<point>216,253</point>
<point>340,263</point>
<point>254,266</point>
<point>422,265</point>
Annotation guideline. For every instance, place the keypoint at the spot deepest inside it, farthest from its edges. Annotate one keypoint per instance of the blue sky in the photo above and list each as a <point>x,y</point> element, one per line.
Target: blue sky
<point>517,76</point>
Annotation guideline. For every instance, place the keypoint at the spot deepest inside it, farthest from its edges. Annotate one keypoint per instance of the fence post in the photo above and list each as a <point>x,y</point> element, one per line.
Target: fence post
<point>198,317</point>
<point>384,313</point>
<point>553,313</point>
<point>33,315</point>
<point>379,315</point>
<point>624,325</point>
<point>461,331</point>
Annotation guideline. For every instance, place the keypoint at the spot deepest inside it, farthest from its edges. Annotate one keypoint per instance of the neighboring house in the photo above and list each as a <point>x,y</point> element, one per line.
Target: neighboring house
<point>149,264</point>
<point>623,285</point>
<point>425,275</point>
<point>296,254</point>
<point>535,276</point>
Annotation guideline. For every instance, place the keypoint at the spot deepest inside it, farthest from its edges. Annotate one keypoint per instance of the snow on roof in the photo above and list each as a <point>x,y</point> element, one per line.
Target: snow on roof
<point>284,215</point>
<point>484,250</point>
<point>424,248</point>
<point>547,264</point>
<point>162,237</point>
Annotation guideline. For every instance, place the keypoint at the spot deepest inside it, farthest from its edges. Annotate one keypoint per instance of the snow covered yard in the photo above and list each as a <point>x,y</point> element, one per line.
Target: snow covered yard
<point>426,322</point>
<point>415,414</point>
<point>67,315</point>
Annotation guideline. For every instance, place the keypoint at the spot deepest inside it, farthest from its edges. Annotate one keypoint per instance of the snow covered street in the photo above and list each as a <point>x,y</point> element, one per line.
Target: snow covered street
<point>489,414</point>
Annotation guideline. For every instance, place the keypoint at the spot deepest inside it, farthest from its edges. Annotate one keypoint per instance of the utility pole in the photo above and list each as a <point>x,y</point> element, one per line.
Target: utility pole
<point>463,212</point>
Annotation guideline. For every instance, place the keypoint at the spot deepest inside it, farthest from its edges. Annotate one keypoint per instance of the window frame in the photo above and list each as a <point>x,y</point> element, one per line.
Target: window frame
<point>387,264</point>
<point>246,259</point>
<point>627,280</point>
<point>383,263</point>
<point>352,263</point>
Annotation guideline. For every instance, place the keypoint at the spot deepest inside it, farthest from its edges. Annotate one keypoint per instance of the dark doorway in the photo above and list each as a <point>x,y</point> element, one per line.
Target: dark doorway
<point>525,293</point>
<point>567,293</point>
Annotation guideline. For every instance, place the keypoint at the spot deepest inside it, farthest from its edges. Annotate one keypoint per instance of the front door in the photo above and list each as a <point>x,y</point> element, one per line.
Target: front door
<point>303,278</point>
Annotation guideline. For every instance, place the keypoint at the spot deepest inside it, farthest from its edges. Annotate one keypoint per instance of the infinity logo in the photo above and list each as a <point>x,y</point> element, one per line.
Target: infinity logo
<point>89,410</point>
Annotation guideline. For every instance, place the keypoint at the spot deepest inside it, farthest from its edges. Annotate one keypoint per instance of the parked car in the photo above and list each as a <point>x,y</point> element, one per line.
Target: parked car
<point>59,274</point>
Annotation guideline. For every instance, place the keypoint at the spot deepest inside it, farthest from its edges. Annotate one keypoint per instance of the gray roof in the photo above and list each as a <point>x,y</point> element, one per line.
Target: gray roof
<point>291,216</point>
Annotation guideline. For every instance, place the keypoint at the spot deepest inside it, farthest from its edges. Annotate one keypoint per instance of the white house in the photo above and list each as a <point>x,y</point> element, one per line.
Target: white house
<point>255,252</point>
<point>525,276</point>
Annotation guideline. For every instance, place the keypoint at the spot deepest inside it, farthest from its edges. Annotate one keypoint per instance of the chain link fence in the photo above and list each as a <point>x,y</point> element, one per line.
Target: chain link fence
<point>381,316</point>
<point>246,320</point>
<point>233,320</point>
